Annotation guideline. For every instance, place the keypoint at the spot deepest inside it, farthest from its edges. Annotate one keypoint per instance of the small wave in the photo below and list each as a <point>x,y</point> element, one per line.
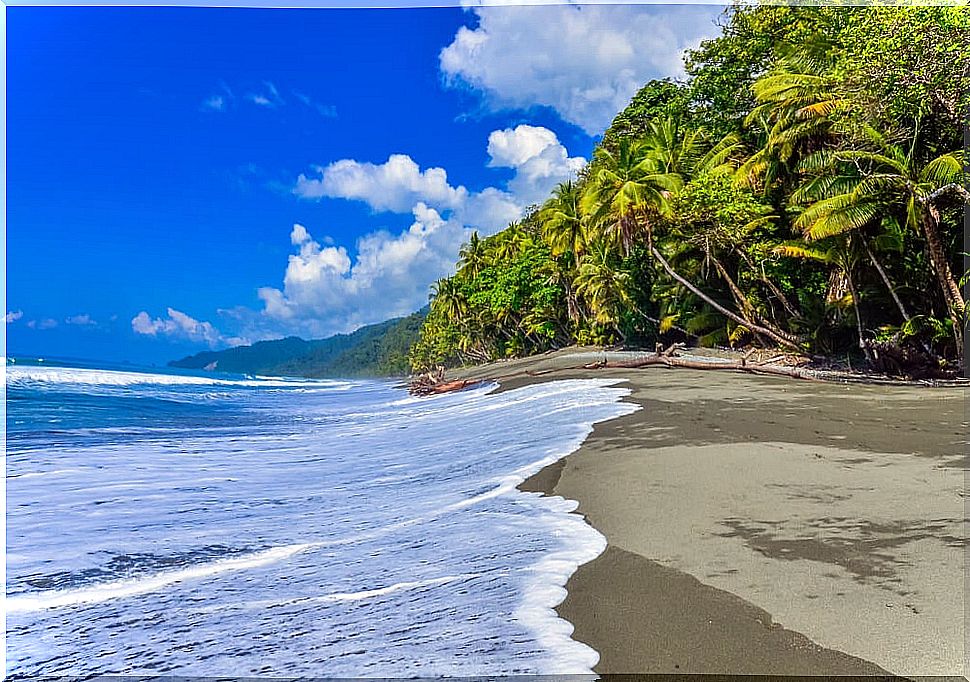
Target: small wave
<point>27,376</point>
<point>127,588</point>
<point>396,587</point>
<point>35,474</point>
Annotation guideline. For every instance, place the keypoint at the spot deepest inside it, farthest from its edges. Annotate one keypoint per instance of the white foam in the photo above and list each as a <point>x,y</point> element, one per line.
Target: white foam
<point>339,475</point>
<point>52,599</point>
<point>20,375</point>
<point>390,589</point>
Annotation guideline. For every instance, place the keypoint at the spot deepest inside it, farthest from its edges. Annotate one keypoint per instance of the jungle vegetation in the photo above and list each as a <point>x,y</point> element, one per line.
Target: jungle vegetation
<point>376,350</point>
<point>802,188</point>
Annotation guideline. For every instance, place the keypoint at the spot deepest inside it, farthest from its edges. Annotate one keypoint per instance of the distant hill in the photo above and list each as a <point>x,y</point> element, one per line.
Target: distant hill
<point>376,350</point>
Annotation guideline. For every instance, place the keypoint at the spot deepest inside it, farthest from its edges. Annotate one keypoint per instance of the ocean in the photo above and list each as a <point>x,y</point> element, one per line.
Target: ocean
<point>163,523</point>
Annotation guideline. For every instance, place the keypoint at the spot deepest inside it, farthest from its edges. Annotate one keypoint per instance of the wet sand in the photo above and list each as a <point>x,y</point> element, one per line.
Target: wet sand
<point>762,525</point>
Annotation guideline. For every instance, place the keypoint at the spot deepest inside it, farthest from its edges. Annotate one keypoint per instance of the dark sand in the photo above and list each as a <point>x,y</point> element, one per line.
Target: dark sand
<point>762,525</point>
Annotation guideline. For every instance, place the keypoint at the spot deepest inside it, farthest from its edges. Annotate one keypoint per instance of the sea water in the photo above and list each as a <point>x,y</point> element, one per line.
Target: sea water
<point>160,523</point>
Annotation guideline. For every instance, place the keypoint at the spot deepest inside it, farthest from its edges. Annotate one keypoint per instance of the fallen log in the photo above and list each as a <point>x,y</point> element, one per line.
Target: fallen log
<point>739,366</point>
<point>424,389</point>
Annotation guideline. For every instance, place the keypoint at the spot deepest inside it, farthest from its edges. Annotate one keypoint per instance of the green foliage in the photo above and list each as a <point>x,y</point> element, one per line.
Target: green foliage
<point>658,99</point>
<point>801,188</point>
<point>373,351</point>
<point>909,64</point>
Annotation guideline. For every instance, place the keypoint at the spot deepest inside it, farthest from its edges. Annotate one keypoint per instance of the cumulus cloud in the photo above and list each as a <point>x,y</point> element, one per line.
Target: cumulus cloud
<point>46,323</point>
<point>586,62</point>
<point>80,320</point>
<point>395,185</point>
<point>13,316</point>
<point>267,96</point>
<point>177,325</point>
<point>537,156</point>
<point>325,292</point>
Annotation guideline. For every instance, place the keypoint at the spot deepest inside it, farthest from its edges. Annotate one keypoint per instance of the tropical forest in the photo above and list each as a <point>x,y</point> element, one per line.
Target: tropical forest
<point>803,188</point>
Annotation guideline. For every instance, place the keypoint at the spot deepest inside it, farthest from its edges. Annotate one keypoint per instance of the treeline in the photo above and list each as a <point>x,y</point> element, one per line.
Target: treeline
<point>376,350</point>
<point>802,188</point>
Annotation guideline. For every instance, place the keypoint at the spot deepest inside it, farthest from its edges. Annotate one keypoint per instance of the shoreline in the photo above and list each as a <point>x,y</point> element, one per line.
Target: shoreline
<point>739,537</point>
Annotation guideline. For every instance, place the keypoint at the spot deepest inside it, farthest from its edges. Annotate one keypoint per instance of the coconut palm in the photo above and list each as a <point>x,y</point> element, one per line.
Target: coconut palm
<point>626,191</point>
<point>841,254</point>
<point>472,255</point>
<point>797,106</point>
<point>688,153</point>
<point>446,295</point>
<point>855,188</point>
<point>563,228</point>
<point>603,286</point>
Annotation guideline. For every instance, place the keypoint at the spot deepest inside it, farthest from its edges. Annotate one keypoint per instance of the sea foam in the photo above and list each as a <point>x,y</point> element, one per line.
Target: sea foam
<point>357,532</point>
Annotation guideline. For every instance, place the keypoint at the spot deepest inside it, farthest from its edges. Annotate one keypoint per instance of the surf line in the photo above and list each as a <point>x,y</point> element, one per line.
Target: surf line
<point>127,588</point>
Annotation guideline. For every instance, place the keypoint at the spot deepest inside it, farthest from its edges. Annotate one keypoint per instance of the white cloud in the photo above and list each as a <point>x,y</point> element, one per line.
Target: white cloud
<point>268,96</point>
<point>324,292</point>
<point>586,62</point>
<point>325,110</point>
<point>538,158</point>
<point>214,103</point>
<point>80,320</point>
<point>177,325</point>
<point>46,323</point>
<point>13,316</point>
<point>219,101</point>
<point>395,185</point>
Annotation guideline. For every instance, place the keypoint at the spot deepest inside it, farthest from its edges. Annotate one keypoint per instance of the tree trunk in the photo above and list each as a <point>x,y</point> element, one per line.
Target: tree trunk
<point>941,264</point>
<point>717,306</point>
<point>749,313</point>
<point>863,344</point>
<point>885,280</point>
<point>772,287</point>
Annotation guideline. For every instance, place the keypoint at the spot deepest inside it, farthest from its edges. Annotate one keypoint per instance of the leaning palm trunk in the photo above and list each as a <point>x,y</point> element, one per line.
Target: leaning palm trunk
<point>747,309</point>
<point>721,309</point>
<point>886,281</point>
<point>941,264</point>
<point>771,286</point>
<point>863,344</point>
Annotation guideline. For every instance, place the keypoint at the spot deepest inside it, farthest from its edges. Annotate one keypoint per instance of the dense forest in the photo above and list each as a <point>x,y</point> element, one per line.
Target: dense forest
<point>376,350</point>
<point>803,187</point>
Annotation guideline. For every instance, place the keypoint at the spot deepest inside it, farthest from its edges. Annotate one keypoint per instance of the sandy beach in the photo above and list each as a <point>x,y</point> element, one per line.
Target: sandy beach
<point>764,525</point>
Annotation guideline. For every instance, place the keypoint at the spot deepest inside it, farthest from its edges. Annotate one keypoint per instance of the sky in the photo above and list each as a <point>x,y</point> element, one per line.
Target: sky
<point>180,179</point>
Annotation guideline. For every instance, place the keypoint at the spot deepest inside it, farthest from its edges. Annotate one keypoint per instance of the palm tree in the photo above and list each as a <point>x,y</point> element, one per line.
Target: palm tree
<point>688,153</point>
<point>842,255</point>
<point>562,221</point>
<point>604,287</point>
<point>471,256</point>
<point>852,189</point>
<point>627,189</point>
<point>446,295</point>
<point>797,103</point>
<point>508,243</point>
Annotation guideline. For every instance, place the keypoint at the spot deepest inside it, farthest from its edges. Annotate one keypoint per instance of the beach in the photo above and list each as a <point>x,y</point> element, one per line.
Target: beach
<point>764,525</point>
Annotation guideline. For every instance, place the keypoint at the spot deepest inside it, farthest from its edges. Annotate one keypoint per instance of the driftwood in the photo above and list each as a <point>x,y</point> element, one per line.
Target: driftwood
<point>432,383</point>
<point>738,366</point>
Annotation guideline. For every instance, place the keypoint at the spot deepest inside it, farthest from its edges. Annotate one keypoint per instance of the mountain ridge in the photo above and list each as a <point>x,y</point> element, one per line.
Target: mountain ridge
<point>375,350</point>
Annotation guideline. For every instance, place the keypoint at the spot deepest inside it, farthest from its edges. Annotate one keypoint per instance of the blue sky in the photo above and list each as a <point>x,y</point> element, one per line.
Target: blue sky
<point>191,178</point>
